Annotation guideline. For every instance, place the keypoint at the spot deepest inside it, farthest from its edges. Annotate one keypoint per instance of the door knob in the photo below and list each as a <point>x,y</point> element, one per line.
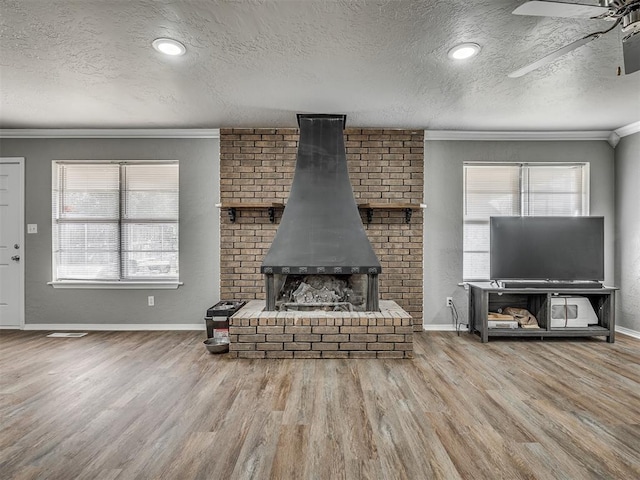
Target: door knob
<point>16,258</point>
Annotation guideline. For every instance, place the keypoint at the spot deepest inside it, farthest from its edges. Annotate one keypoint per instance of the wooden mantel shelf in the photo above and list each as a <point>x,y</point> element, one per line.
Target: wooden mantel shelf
<point>371,206</point>
<point>387,206</point>
<point>251,205</point>
<point>233,208</point>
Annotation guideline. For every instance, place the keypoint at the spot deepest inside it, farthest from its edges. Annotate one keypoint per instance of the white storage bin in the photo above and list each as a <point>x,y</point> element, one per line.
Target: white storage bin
<point>572,312</point>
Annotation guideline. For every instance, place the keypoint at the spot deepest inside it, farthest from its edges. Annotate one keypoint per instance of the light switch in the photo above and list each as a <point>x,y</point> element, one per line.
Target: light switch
<point>32,228</point>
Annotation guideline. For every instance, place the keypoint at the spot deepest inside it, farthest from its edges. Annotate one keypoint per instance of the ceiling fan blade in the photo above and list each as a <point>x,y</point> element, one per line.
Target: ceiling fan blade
<point>631,53</point>
<point>559,9</point>
<point>553,56</point>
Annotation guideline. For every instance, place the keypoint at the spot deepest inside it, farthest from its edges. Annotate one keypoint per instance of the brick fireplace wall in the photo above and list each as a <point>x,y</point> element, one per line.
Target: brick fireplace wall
<point>385,166</point>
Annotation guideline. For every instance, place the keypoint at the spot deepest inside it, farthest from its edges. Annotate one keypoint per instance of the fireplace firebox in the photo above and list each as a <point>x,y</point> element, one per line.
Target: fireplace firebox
<point>338,292</point>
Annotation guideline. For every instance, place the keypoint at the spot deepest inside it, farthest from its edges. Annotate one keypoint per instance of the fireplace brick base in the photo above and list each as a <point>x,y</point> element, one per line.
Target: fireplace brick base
<point>255,333</point>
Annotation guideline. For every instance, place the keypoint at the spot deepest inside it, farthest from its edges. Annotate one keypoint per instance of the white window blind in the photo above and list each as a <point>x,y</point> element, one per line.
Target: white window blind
<point>114,222</point>
<point>516,190</point>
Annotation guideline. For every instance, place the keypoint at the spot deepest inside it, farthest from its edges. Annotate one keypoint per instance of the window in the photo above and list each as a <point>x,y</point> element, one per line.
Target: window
<point>115,221</point>
<point>539,189</point>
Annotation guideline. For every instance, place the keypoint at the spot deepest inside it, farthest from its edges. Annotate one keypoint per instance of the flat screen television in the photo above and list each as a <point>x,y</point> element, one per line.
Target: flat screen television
<point>547,248</point>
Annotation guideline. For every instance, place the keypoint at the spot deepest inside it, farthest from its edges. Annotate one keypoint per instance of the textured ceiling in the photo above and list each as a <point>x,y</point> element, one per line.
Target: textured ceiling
<point>255,63</point>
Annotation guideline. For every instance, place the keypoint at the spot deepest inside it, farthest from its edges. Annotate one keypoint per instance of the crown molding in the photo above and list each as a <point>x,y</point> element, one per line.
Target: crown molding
<point>457,135</point>
<point>628,129</point>
<point>461,135</point>
<point>110,133</point>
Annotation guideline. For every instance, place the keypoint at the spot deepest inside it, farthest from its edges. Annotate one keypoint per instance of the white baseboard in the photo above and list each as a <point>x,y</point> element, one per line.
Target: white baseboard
<point>443,327</point>
<point>114,326</point>
<point>628,331</point>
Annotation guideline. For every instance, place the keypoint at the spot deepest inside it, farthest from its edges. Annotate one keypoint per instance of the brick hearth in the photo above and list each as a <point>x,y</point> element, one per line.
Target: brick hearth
<point>254,333</point>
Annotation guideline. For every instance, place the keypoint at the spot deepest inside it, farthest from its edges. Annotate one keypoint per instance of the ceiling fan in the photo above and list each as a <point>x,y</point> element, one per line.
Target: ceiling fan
<point>621,12</point>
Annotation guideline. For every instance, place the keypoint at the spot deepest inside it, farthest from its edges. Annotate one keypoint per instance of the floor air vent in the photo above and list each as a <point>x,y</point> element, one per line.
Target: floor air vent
<point>67,335</point>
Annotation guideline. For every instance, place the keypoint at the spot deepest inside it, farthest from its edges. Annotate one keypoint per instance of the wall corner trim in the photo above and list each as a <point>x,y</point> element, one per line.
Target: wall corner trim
<point>462,135</point>
<point>110,133</point>
<point>614,139</point>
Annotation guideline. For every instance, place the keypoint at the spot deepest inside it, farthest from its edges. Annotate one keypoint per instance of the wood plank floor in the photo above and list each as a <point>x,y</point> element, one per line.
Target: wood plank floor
<point>156,405</point>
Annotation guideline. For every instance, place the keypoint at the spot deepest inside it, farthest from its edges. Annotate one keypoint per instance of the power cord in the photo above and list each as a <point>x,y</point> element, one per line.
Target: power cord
<point>456,318</point>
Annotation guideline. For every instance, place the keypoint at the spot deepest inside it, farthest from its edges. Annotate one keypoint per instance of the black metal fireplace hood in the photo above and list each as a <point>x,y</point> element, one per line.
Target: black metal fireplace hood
<point>321,230</point>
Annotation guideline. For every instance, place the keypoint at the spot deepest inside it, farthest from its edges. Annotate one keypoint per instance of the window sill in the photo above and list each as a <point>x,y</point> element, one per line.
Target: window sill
<point>86,284</point>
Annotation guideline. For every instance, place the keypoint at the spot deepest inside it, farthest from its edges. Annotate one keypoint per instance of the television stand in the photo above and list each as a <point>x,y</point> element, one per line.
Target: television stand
<point>563,285</point>
<point>485,297</point>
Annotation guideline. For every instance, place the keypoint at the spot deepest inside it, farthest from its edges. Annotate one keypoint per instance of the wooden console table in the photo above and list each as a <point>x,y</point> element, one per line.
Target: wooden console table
<point>485,297</point>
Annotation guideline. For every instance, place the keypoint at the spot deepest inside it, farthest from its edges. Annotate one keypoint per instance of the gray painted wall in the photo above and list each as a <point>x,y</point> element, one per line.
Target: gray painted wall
<point>199,233</point>
<point>627,164</point>
<point>443,215</point>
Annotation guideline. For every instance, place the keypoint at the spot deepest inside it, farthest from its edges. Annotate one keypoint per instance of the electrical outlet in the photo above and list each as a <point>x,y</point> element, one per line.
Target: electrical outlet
<point>449,301</point>
<point>151,301</point>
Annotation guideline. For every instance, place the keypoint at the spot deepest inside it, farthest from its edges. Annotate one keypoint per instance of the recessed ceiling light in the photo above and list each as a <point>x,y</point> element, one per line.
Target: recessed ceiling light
<point>464,51</point>
<point>168,46</point>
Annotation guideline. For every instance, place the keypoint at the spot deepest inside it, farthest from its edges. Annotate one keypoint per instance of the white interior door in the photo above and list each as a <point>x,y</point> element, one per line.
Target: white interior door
<point>11,242</point>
